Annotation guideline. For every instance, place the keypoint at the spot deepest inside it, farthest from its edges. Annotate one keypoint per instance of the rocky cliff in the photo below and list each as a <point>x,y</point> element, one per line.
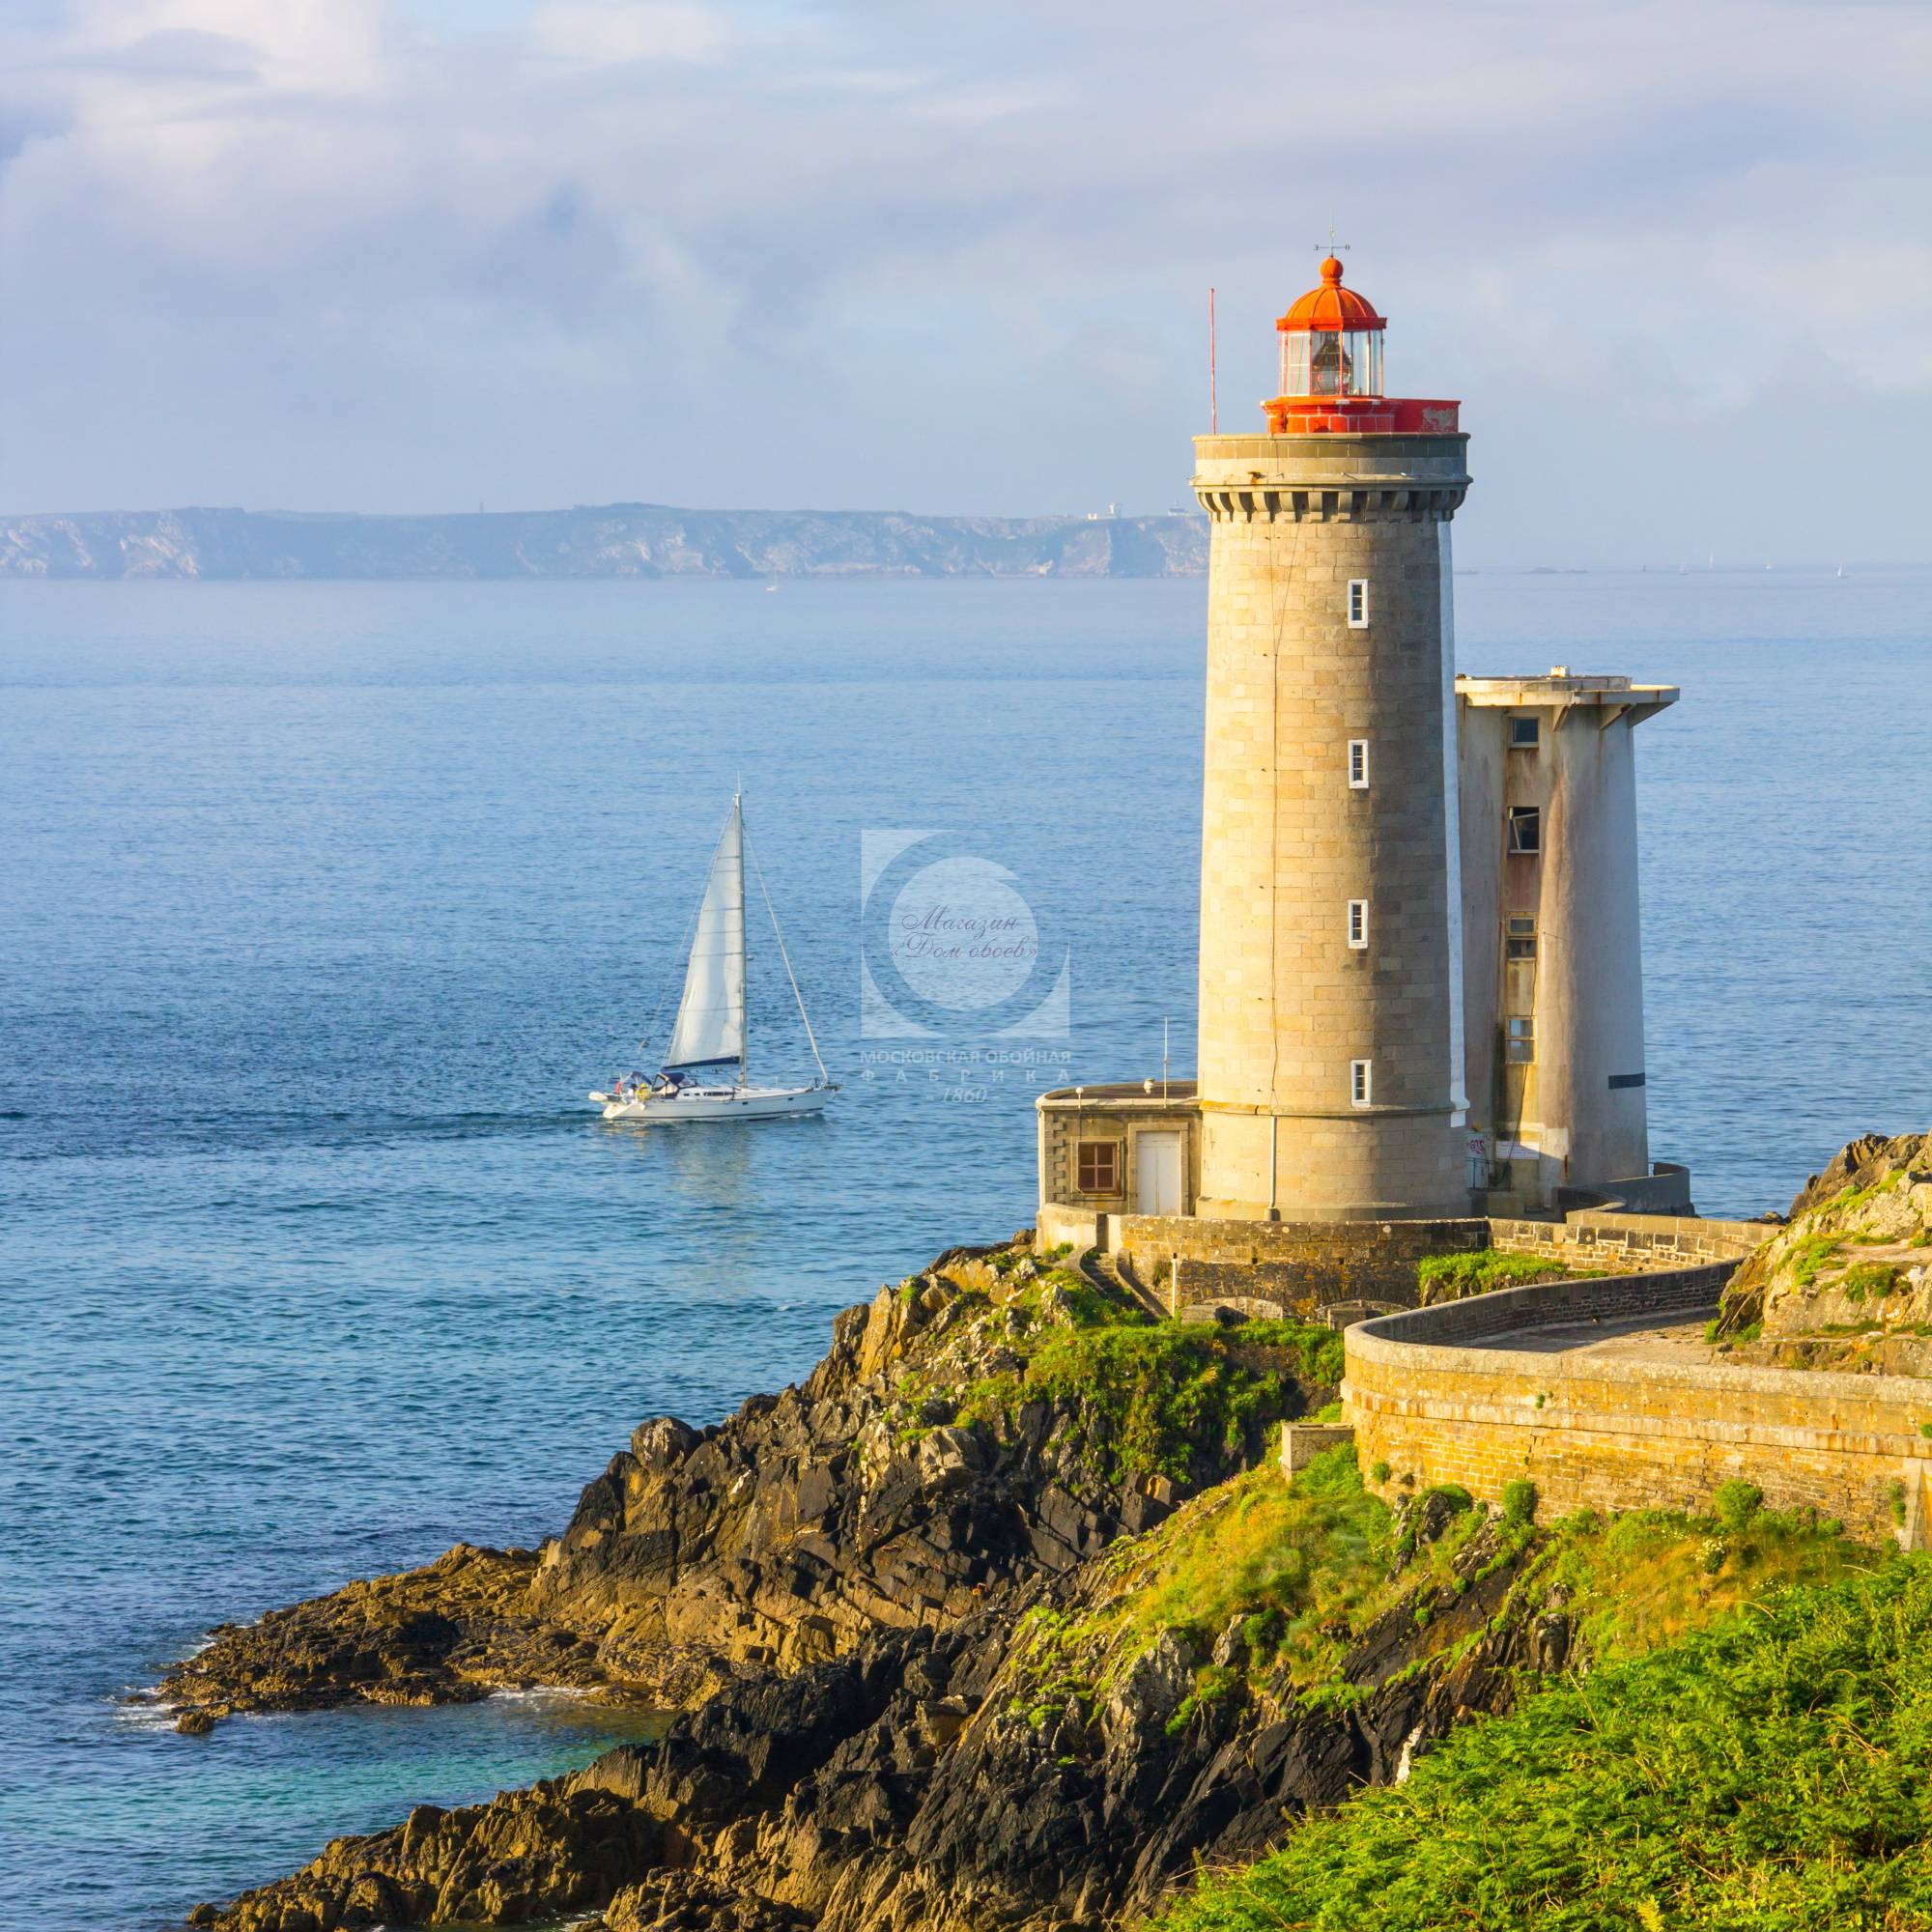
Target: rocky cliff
<point>1005,1618</point>
<point>1063,1764</point>
<point>641,540</point>
<point>1847,1283</point>
<point>992,1421</point>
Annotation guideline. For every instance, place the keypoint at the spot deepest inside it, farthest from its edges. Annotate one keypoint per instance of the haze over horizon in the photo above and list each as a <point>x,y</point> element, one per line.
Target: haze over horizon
<point>373,256</point>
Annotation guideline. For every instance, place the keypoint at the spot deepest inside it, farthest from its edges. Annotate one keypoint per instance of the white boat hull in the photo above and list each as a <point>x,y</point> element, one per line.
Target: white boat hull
<point>718,1103</point>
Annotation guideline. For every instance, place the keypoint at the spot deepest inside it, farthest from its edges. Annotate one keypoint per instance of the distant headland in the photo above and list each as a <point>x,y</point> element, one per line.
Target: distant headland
<point>643,540</point>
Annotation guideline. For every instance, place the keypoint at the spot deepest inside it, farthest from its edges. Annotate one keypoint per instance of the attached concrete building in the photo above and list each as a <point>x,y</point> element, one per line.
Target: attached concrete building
<point>1553,959</point>
<point>1420,981</point>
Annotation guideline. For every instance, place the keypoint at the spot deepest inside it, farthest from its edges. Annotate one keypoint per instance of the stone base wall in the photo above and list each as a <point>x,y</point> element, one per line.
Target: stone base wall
<point>1605,1433</point>
<point>1665,1190</point>
<point>1303,1265</point>
<point>1622,1242</point>
<point>1057,1225</point>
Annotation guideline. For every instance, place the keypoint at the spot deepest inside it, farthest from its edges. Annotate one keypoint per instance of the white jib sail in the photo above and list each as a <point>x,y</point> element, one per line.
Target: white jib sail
<point>710,1026</point>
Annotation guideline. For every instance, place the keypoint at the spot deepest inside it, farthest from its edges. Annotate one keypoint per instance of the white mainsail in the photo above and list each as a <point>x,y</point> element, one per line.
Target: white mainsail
<point>710,1027</point>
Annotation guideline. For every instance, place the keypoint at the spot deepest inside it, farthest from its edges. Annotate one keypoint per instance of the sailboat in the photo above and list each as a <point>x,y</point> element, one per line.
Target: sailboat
<point>703,1076</point>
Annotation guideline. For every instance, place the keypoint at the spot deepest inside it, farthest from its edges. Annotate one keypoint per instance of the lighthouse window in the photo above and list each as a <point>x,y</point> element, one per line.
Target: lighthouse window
<point>1359,924</point>
<point>1100,1167</point>
<point>1358,764</point>
<point>1331,365</point>
<point>1525,828</point>
<point>1520,1041</point>
<point>1525,734</point>
<point>1359,603</point>
<point>1331,362</point>
<point>1360,1085</point>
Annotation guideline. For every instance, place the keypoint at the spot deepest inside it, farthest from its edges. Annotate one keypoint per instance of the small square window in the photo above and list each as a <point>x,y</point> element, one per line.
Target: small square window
<point>1358,764</point>
<point>1359,924</point>
<point>1359,603</point>
<point>1361,1087</point>
<point>1100,1167</point>
<point>1520,939</point>
<point>1520,1041</point>
<point>1525,734</point>
<point>1525,828</point>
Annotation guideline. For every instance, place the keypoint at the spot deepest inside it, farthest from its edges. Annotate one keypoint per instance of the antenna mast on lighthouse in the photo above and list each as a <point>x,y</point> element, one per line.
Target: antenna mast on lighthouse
<point>1214,403</point>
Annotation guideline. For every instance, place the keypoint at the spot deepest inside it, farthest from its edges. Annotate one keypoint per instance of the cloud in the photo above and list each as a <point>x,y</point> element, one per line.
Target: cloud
<point>606,32</point>
<point>330,252</point>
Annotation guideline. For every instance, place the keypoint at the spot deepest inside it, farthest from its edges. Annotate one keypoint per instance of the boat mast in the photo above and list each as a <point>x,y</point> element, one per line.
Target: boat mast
<point>744,946</point>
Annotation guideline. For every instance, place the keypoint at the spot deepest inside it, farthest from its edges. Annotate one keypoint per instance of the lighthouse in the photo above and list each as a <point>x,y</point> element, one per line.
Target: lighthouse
<point>1330,1067</point>
<point>1420,985</point>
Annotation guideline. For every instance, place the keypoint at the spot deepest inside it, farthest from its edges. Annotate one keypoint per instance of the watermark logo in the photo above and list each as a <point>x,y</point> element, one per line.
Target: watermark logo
<point>950,946</point>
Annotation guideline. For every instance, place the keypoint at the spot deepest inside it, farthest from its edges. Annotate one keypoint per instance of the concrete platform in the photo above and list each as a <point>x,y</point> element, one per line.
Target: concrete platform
<point>1636,1338</point>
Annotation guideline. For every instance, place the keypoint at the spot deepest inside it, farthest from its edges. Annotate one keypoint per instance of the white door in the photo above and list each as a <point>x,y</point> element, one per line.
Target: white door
<point>1157,1174</point>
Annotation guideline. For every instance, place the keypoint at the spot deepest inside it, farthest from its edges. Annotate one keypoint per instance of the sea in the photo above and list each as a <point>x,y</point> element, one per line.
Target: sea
<point>324,906</point>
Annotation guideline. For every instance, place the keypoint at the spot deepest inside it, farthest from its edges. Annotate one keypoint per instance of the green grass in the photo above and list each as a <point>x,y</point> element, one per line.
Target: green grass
<point>1714,1331</point>
<point>1812,1256</point>
<point>1451,1277</point>
<point>1868,1281</point>
<point>1306,1567</point>
<point>1161,1398</point>
<point>1285,1559</point>
<point>1770,1772</point>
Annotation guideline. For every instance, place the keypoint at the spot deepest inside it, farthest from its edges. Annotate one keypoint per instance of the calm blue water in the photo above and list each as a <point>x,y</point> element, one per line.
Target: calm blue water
<point>323,905</point>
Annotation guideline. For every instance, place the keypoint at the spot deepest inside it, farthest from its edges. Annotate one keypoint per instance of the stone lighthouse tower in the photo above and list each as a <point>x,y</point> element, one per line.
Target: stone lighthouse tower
<point>1331,1060</point>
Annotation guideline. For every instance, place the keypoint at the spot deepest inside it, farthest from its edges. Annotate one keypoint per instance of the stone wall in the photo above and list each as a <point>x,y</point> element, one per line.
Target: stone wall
<point>1301,1264</point>
<point>1059,1225</point>
<point>1602,1432</point>
<point>1631,1241</point>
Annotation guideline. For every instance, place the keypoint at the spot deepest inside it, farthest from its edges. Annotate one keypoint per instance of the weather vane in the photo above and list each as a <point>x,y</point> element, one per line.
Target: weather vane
<point>1332,246</point>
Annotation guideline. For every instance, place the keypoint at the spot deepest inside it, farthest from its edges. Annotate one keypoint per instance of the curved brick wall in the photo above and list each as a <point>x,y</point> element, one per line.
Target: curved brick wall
<point>1604,1434</point>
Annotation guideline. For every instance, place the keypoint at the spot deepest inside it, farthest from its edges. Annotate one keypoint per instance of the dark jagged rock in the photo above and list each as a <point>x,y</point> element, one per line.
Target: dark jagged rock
<point>901,1789</point>
<point>445,1634</point>
<point>778,1539</point>
<point>526,1855</point>
<point>833,1584</point>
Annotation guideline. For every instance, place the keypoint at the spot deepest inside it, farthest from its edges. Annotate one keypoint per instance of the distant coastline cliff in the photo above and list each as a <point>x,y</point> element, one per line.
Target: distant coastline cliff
<point>617,540</point>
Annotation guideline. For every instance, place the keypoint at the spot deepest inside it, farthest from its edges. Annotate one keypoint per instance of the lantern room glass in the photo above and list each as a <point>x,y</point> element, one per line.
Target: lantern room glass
<point>1331,362</point>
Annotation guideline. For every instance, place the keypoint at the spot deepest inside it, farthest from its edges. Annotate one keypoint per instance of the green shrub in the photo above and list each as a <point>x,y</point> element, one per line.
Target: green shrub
<point>1317,1348</point>
<point>1765,1773</point>
<point>1735,1503</point>
<point>1868,1281</point>
<point>1451,1277</point>
<point>1211,1686</point>
<point>1262,1633</point>
<point>1812,1256</point>
<point>1520,1501</point>
<point>1379,1471</point>
<point>1147,1398</point>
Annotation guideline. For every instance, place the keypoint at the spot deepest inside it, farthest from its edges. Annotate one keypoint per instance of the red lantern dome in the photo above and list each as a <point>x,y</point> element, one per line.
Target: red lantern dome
<point>1331,306</point>
<point>1331,369</point>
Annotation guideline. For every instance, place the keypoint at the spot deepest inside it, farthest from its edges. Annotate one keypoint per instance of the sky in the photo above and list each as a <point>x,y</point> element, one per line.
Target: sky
<point>1674,256</point>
